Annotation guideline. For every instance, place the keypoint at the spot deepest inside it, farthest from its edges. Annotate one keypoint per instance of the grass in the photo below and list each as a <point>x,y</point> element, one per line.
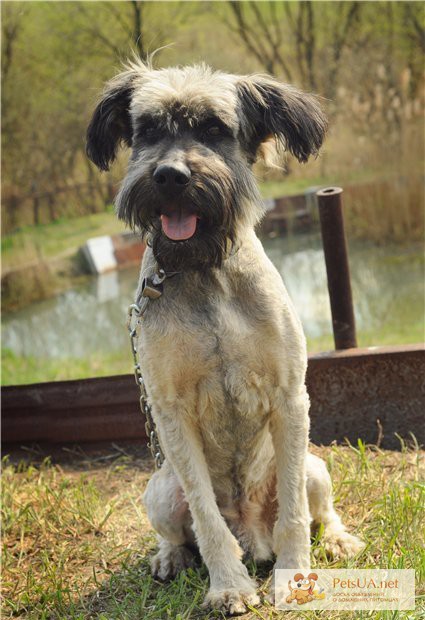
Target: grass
<point>21,370</point>
<point>290,186</point>
<point>62,238</point>
<point>57,240</point>
<point>77,543</point>
<point>41,261</point>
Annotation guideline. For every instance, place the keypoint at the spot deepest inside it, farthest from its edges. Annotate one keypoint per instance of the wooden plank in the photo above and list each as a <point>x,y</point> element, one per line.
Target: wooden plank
<point>349,391</point>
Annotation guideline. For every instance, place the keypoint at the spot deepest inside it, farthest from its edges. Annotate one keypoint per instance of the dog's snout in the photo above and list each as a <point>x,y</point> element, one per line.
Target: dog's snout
<point>172,177</point>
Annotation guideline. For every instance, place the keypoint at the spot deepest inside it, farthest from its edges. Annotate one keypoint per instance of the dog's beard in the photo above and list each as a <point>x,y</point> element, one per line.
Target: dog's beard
<point>204,250</point>
<point>213,200</point>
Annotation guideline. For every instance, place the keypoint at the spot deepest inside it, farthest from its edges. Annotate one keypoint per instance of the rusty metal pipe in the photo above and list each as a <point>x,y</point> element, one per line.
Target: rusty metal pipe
<point>337,268</point>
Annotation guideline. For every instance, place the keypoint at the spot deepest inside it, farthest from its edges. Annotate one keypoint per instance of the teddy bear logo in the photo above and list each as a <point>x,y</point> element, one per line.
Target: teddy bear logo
<point>303,589</point>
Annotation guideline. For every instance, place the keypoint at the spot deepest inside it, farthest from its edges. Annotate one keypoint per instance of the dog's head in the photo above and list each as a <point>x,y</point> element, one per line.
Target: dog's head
<point>303,584</point>
<point>194,134</point>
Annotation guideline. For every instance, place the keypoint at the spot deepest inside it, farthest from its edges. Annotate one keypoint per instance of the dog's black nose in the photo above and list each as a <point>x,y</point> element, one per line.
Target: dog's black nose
<point>172,177</point>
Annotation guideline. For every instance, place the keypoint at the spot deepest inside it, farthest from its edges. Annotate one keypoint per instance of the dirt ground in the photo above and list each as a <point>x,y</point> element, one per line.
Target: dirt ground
<point>77,542</point>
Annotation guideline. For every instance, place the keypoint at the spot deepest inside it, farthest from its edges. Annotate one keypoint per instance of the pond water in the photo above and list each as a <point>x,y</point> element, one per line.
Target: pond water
<point>388,291</point>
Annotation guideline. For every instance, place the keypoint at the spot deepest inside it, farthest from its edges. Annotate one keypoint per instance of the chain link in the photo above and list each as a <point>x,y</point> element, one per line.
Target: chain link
<point>135,313</point>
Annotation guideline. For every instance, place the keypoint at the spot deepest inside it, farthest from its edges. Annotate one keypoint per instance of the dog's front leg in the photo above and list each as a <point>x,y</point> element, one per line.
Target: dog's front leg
<point>289,426</point>
<point>230,584</point>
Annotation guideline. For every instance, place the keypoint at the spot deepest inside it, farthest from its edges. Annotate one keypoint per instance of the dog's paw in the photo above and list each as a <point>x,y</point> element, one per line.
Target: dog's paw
<point>294,558</point>
<point>342,544</point>
<point>271,596</point>
<point>232,601</point>
<point>276,593</point>
<point>171,560</point>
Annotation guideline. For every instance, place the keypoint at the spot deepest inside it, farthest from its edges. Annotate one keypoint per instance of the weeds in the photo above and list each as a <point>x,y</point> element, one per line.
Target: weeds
<point>76,544</point>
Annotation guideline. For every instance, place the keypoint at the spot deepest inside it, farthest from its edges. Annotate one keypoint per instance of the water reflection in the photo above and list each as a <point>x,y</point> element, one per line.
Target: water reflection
<point>92,318</point>
<point>80,321</point>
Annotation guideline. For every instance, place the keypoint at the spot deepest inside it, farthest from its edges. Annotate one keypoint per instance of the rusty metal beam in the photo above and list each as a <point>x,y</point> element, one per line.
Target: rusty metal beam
<point>337,268</point>
<point>359,393</point>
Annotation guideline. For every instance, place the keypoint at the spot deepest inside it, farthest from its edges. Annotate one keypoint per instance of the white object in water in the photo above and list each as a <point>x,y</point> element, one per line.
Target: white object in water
<point>107,286</point>
<point>100,255</point>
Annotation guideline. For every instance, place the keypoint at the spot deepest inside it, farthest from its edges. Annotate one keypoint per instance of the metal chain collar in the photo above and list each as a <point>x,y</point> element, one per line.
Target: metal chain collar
<point>151,289</point>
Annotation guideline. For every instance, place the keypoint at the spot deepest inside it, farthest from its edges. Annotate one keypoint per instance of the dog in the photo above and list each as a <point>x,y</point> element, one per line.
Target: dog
<point>302,588</point>
<point>222,350</point>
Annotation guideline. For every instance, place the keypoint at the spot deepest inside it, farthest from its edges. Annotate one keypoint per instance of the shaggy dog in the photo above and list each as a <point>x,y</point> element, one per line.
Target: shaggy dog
<point>222,350</point>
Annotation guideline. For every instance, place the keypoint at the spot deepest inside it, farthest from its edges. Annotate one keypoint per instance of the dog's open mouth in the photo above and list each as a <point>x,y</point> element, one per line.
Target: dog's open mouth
<point>179,224</point>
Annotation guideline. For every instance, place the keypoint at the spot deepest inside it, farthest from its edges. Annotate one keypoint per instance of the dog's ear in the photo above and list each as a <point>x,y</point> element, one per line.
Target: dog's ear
<point>270,109</point>
<point>111,121</point>
<point>313,576</point>
<point>298,576</point>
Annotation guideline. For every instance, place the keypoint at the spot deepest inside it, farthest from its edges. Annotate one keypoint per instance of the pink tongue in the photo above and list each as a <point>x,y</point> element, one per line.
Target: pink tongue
<point>179,225</point>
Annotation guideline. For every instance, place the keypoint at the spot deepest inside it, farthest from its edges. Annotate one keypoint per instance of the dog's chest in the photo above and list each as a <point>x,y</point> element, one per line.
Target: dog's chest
<point>217,359</point>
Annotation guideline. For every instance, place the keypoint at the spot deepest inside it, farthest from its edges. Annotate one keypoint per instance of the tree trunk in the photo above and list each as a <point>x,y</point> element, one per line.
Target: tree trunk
<point>137,27</point>
<point>51,205</point>
<point>36,210</point>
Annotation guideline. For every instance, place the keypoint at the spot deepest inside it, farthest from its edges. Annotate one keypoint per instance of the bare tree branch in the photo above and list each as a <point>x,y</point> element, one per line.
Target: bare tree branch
<point>275,20</point>
<point>275,42</point>
<point>245,33</point>
<point>11,27</point>
<point>418,33</point>
<point>96,32</point>
<point>137,27</point>
<point>260,40</point>
<point>343,33</point>
<point>110,6</point>
<point>310,46</point>
<point>340,39</point>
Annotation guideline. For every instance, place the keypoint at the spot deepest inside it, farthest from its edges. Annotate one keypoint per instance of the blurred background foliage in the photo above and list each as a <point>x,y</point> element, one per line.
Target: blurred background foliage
<point>365,59</point>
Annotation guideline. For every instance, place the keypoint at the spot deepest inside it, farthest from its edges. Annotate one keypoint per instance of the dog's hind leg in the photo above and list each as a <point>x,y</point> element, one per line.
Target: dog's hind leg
<point>336,540</point>
<point>169,515</point>
<point>171,560</point>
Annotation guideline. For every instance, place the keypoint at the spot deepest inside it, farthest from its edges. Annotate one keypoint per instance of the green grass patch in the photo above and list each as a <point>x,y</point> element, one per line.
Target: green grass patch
<point>21,370</point>
<point>391,334</point>
<point>77,543</point>
<point>61,238</point>
<point>290,186</point>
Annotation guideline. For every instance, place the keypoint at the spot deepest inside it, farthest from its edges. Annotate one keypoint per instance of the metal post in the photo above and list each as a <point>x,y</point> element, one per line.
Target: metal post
<point>337,269</point>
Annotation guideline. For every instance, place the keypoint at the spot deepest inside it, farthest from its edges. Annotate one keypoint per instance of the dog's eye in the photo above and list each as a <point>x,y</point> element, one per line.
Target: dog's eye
<point>213,131</point>
<point>150,134</point>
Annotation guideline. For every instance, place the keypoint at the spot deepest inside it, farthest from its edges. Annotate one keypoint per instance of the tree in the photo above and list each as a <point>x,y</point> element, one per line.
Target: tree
<point>261,34</point>
<point>271,30</point>
<point>55,58</point>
